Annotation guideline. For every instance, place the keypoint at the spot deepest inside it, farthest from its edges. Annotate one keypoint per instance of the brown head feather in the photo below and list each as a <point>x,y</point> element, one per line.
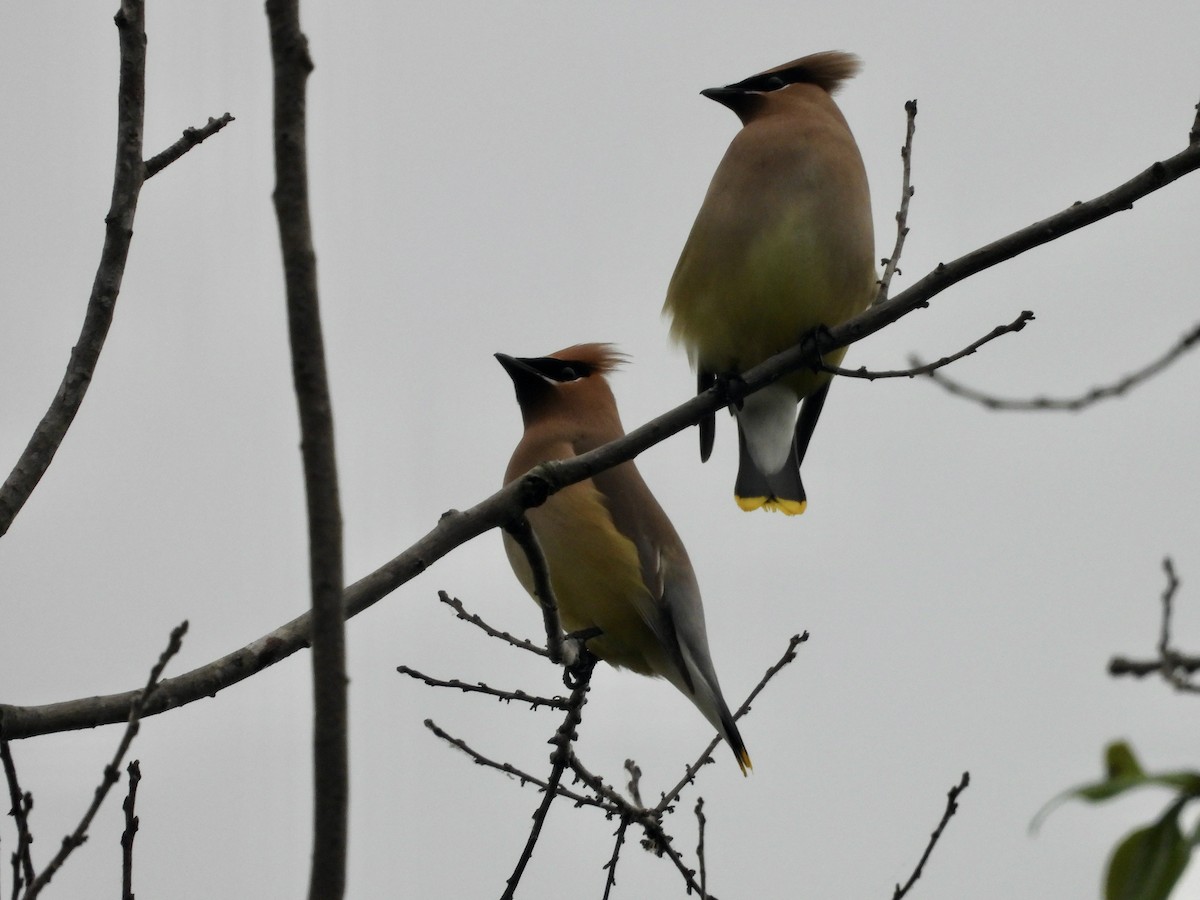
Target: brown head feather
<point>603,358</point>
<point>827,69</point>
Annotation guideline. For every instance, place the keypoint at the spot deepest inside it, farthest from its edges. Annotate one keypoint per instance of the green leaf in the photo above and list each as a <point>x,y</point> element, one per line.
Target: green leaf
<point>1124,774</point>
<point>1119,761</point>
<point>1148,862</point>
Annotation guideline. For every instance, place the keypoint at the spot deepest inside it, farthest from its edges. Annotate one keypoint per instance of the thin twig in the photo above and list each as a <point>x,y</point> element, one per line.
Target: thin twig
<point>601,789</point>
<point>127,185</point>
<point>700,823</point>
<point>531,489</point>
<point>21,802</point>
<point>611,881</point>
<point>606,798</point>
<point>191,137</point>
<point>112,771</point>
<point>481,688</point>
<point>1175,667</point>
<point>689,774</point>
<point>928,368</point>
<point>635,782</point>
<point>131,828</point>
<point>559,757</point>
<point>543,592</point>
<point>1074,404</point>
<point>457,605</point>
<point>292,64</point>
<point>891,264</point>
<point>522,777</point>
<point>1168,597</point>
<point>657,840</point>
<point>951,809</point>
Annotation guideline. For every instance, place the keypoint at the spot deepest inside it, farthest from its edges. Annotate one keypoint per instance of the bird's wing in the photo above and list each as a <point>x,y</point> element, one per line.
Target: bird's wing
<point>671,601</point>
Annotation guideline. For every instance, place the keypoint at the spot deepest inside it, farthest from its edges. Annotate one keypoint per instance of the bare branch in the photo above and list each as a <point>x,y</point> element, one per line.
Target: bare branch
<point>951,809</point>
<point>21,802</point>
<point>606,797</point>
<point>611,865</point>
<point>331,776</point>
<point>700,823</point>
<point>891,264</point>
<point>457,605</point>
<point>112,770</point>
<point>1074,404</point>
<point>456,528</point>
<point>689,774</point>
<point>920,368</point>
<point>191,138</point>
<point>635,782</point>
<point>131,828</point>
<point>481,688</point>
<point>127,185</point>
<point>1168,597</point>
<point>657,840</point>
<point>559,757</point>
<point>509,769</point>
<point>520,531</point>
<point>1176,668</point>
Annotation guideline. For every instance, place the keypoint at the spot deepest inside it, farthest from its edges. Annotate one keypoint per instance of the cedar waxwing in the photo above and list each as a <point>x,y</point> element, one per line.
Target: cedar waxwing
<point>615,561</point>
<point>783,243</point>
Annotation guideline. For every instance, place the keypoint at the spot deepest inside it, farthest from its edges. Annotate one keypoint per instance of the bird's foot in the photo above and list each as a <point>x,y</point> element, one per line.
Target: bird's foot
<point>732,388</point>
<point>578,660</point>
<point>819,335</point>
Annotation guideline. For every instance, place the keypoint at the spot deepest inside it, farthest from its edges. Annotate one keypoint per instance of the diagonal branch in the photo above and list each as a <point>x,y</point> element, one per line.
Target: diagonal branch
<point>474,619</point>
<point>191,138</point>
<point>532,489</point>
<point>951,809</point>
<point>559,758</point>
<point>509,769</point>
<point>111,774</point>
<point>689,775</point>
<point>118,230</point>
<point>611,881</point>
<point>919,368</point>
<point>1074,404</point>
<point>331,776</point>
<point>131,173</point>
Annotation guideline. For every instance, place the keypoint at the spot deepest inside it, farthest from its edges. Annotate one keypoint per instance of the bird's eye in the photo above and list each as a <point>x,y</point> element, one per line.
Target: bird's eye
<point>568,374</point>
<point>774,83</point>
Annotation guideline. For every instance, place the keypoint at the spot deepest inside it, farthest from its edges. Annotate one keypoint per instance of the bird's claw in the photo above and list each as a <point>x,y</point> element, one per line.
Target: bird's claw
<point>578,660</point>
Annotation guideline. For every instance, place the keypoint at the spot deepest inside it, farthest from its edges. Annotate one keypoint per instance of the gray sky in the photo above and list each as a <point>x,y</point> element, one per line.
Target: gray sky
<point>520,177</point>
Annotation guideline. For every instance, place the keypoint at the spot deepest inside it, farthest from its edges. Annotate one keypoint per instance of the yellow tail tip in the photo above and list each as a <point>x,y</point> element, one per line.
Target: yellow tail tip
<point>743,759</point>
<point>772,504</point>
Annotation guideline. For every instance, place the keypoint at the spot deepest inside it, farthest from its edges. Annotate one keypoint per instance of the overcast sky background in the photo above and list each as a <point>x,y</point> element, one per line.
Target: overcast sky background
<point>518,177</point>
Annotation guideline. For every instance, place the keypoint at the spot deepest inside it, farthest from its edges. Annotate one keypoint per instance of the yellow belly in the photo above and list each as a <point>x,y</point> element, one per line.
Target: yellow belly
<point>596,577</point>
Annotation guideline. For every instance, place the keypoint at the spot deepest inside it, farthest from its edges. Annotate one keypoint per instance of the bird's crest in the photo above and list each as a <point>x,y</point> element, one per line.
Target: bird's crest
<point>599,358</point>
<point>827,70</point>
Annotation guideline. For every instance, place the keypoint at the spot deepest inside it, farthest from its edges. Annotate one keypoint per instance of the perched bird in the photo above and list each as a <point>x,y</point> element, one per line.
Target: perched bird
<point>614,559</point>
<point>783,244</point>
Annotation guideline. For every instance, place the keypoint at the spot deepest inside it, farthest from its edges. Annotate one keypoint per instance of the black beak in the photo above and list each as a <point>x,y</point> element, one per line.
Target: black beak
<point>518,369</point>
<point>726,96</point>
<point>532,386</point>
